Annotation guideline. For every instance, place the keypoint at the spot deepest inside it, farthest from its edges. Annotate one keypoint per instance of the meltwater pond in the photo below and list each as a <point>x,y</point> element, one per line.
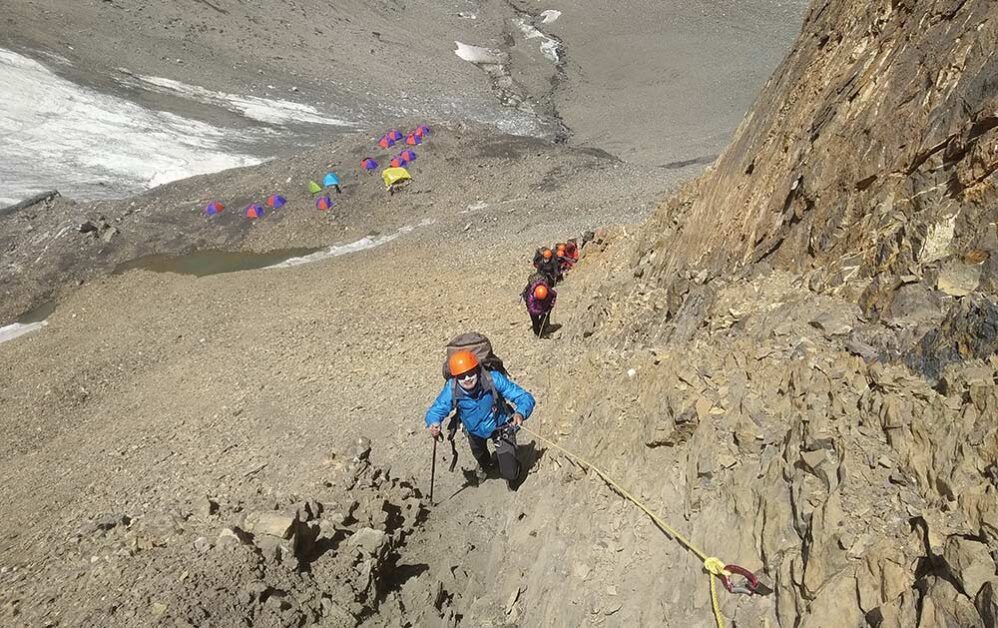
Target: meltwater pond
<point>204,263</point>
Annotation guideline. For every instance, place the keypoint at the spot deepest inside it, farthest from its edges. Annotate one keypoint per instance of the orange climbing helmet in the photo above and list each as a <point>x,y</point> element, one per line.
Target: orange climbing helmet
<point>540,292</point>
<point>560,249</point>
<point>547,253</point>
<point>462,362</point>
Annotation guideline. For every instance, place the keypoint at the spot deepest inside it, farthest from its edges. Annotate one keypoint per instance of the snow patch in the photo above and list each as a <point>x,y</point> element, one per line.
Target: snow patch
<point>549,47</point>
<point>474,207</point>
<point>278,112</point>
<point>336,250</point>
<point>16,330</point>
<point>60,135</point>
<point>478,55</point>
<point>549,16</point>
<point>363,244</point>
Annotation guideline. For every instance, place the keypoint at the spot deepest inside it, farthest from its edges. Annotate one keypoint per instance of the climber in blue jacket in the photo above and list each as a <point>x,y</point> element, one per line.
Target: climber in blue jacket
<point>481,400</point>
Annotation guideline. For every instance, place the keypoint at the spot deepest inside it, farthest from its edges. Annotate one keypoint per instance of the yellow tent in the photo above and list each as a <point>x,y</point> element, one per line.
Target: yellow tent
<point>391,176</point>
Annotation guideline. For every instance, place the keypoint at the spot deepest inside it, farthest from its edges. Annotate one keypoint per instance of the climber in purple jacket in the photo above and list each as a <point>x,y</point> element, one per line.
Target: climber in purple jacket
<point>540,298</point>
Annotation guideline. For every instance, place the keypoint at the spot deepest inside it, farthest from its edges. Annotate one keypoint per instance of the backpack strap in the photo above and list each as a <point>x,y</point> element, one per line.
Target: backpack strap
<point>499,404</point>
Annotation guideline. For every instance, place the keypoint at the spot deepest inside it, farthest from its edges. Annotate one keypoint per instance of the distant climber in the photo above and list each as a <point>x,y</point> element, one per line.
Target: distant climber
<point>540,298</point>
<point>480,398</point>
<point>546,264</point>
<point>572,252</point>
<point>560,255</point>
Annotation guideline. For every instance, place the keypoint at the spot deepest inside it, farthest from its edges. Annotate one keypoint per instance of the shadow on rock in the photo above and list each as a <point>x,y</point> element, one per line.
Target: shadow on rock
<point>969,331</point>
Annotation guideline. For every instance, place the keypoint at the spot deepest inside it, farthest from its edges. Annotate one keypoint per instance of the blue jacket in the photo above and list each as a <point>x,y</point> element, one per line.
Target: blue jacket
<point>475,408</point>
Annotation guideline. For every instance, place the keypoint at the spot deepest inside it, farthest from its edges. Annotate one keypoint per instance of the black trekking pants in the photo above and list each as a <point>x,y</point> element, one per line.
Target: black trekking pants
<point>505,443</point>
<point>537,322</point>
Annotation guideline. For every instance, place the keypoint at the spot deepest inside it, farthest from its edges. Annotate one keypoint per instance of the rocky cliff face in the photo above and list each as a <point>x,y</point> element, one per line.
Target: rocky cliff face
<point>800,346</point>
<point>869,154</point>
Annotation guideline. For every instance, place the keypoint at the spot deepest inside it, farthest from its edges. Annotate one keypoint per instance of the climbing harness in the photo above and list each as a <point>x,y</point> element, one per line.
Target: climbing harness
<point>714,566</point>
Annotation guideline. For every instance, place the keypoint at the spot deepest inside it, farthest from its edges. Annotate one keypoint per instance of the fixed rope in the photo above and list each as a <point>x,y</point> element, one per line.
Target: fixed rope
<point>715,567</point>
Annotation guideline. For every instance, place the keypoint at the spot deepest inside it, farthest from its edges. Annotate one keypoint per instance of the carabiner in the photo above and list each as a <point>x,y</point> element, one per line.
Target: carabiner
<point>748,588</point>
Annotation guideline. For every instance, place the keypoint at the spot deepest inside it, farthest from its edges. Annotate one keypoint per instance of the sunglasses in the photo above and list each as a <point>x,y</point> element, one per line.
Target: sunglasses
<point>466,376</point>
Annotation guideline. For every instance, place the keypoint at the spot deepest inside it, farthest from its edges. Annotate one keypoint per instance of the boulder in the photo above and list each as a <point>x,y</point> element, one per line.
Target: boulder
<point>969,562</point>
<point>231,537</point>
<point>368,541</point>
<point>202,544</point>
<point>277,524</point>
<point>958,279</point>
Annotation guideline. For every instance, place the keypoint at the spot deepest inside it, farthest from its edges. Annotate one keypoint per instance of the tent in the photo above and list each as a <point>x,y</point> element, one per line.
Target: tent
<point>253,211</point>
<point>396,162</point>
<point>408,155</point>
<point>413,140</point>
<point>395,134</point>
<point>314,188</point>
<point>394,176</point>
<point>386,142</point>
<point>323,203</point>
<point>276,201</point>
<point>368,164</point>
<point>331,180</point>
<point>213,208</point>
<point>422,131</point>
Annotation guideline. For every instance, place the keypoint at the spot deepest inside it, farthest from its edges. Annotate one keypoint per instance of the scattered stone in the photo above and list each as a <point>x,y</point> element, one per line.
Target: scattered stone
<point>231,537</point>
<point>368,540</point>
<point>207,507</point>
<point>512,600</point>
<point>105,522</point>
<point>276,524</point>
<point>864,350</point>
<point>202,544</point>
<point>108,234</point>
<point>273,548</point>
<point>832,323</point>
<point>361,449</point>
<point>898,477</point>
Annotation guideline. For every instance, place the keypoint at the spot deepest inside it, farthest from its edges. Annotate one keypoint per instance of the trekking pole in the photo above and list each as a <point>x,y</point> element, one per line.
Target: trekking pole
<point>544,323</point>
<point>433,469</point>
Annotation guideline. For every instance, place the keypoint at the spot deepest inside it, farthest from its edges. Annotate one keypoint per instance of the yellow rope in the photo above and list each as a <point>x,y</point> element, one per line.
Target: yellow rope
<point>713,565</point>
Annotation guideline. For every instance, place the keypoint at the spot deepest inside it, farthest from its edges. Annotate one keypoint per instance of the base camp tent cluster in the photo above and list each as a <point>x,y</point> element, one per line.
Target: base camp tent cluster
<point>394,176</point>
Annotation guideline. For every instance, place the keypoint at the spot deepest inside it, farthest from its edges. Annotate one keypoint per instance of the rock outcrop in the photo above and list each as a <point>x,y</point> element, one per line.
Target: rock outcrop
<point>869,156</point>
<point>261,558</point>
<point>801,351</point>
